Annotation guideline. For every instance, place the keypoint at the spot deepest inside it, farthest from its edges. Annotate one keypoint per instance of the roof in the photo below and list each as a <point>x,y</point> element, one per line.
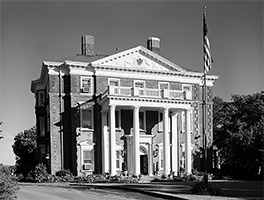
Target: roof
<point>83,58</point>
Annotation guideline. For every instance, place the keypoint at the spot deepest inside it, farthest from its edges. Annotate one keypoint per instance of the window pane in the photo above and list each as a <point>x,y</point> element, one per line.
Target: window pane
<point>118,159</point>
<point>86,119</point>
<point>87,157</point>
<point>139,84</point>
<point>114,82</point>
<point>42,126</point>
<point>41,98</point>
<point>86,85</point>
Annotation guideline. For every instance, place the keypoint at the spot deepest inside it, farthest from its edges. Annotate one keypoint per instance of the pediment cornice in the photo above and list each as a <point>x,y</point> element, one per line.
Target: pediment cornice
<point>138,58</point>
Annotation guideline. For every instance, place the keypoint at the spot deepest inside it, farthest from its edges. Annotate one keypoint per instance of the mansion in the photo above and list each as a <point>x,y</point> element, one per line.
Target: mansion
<point>132,111</point>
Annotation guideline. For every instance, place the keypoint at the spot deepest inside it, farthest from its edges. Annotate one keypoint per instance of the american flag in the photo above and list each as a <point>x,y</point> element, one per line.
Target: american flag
<point>208,60</point>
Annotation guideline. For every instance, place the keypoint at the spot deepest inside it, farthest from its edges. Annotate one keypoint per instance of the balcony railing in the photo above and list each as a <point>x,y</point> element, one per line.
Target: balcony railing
<point>147,92</point>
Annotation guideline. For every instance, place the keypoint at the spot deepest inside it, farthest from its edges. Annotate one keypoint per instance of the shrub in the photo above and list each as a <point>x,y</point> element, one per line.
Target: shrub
<point>202,188</point>
<point>8,184</point>
<point>64,172</point>
<point>38,174</point>
<point>189,177</point>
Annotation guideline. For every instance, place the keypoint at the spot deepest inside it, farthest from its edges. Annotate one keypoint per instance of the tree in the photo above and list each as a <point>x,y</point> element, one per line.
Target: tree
<point>238,134</point>
<point>25,149</point>
<point>8,183</point>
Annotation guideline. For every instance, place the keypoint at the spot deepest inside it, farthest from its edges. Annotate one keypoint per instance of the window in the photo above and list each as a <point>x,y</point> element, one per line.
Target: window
<point>87,159</point>
<point>41,98</point>
<point>187,89</point>
<point>161,157</point>
<point>118,159</point>
<point>86,85</point>
<point>42,126</point>
<point>139,84</point>
<point>164,85</point>
<point>142,120</point>
<point>86,118</point>
<point>113,82</point>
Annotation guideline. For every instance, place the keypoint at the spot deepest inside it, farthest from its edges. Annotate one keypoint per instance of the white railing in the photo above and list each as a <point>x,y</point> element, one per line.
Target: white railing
<point>146,92</point>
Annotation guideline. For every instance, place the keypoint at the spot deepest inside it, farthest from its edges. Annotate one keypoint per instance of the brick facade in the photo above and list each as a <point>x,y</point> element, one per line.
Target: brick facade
<point>65,140</point>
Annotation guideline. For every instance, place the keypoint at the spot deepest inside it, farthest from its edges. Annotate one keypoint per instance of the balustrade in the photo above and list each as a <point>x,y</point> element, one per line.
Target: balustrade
<point>146,92</point>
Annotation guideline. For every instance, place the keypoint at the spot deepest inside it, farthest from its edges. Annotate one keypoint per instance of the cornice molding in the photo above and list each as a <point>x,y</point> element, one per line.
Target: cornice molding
<point>143,51</point>
<point>148,100</point>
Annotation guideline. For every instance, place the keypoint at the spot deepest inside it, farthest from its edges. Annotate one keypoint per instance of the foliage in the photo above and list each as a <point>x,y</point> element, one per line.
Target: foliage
<point>25,149</point>
<point>202,188</point>
<point>238,134</point>
<point>39,174</point>
<point>8,184</point>
<point>64,172</point>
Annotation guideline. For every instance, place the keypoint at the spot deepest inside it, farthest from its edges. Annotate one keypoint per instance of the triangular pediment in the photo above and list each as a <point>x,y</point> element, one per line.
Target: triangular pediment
<point>138,58</point>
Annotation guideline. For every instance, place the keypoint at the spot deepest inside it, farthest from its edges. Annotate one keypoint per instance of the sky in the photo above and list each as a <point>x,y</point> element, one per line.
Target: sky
<point>34,31</point>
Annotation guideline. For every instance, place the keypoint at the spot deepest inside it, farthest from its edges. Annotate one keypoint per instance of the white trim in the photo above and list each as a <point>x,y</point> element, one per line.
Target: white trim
<point>173,77</point>
<point>52,63</point>
<point>85,147</point>
<point>118,148</point>
<point>80,71</point>
<point>142,51</point>
<point>76,63</point>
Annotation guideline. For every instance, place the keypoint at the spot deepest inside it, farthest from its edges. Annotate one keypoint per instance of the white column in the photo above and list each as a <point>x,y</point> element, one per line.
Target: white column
<point>105,148</point>
<point>130,156</point>
<point>136,140</point>
<point>166,142</point>
<point>188,150</point>
<point>150,159</point>
<point>174,144</point>
<point>112,140</point>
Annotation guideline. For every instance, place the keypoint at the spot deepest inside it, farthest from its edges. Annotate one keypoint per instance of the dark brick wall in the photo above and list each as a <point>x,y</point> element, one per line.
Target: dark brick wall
<point>55,147</point>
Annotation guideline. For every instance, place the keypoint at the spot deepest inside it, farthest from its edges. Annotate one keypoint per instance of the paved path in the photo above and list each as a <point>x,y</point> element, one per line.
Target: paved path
<point>232,190</point>
<point>31,191</point>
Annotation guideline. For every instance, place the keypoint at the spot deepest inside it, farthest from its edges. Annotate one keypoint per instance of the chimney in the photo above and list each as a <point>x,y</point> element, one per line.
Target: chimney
<point>87,45</point>
<point>153,44</point>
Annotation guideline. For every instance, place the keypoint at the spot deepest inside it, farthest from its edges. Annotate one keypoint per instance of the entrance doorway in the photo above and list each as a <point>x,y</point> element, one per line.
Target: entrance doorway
<point>144,164</point>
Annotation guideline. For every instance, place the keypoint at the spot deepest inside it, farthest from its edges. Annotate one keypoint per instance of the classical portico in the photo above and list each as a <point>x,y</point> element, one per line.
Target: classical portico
<point>139,146</point>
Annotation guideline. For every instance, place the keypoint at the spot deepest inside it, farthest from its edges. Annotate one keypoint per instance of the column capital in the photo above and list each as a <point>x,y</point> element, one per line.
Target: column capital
<point>136,107</point>
<point>165,109</point>
<point>112,106</point>
<point>175,113</point>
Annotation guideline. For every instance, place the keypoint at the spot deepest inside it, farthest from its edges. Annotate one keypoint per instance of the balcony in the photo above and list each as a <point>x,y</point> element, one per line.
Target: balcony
<point>146,92</point>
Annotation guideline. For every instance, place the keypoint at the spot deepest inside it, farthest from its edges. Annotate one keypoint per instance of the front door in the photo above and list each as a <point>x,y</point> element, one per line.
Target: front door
<point>144,164</point>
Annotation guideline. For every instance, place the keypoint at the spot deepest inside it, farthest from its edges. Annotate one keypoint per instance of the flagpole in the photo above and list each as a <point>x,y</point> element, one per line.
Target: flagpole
<point>204,105</point>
